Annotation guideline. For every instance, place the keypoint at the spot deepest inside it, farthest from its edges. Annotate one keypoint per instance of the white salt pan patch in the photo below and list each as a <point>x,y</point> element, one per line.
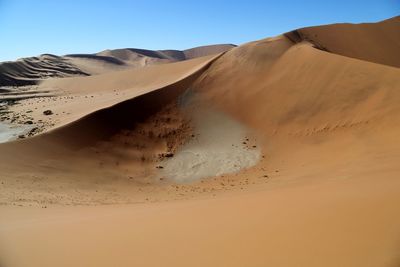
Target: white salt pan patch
<point>217,149</point>
<point>10,132</point>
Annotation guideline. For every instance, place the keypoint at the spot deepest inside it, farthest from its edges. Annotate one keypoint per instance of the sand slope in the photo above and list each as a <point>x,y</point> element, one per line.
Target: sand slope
<point>108,136</point>
<point>28,71</point>
<point>352,223</point>
<point>322,114</point>
<point>117,59</point>
<point>362,41</point>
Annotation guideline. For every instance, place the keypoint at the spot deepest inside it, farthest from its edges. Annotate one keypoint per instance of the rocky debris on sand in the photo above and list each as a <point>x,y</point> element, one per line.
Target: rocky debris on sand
<point>33,131</point>
<point>47,112</point>
<point>166,155</point>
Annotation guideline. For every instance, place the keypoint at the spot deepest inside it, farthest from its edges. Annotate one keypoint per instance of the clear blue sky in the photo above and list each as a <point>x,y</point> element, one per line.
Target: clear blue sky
<point>33,27</point>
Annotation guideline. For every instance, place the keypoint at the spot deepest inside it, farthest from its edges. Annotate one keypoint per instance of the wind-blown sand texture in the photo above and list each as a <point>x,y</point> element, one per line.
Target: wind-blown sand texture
<point>316,110</point>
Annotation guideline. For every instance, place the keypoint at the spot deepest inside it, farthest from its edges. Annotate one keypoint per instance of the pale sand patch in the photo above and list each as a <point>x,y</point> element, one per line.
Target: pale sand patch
<point>219,147</point>
<point>10,132</point>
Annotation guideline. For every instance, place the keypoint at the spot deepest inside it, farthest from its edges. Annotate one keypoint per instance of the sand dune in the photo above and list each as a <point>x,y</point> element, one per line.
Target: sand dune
<point>278,152</point>
<point>361,41</point>
<point>132,57</point>
<point>131,54</point>
<point>123,135</point>
<point>28,71</point>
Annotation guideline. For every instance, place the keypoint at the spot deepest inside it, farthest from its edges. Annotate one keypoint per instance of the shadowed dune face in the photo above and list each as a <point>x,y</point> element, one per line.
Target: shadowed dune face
<point>105,123</point>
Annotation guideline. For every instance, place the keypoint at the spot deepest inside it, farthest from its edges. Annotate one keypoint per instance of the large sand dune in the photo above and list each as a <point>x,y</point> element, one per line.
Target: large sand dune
<point>279,152</point>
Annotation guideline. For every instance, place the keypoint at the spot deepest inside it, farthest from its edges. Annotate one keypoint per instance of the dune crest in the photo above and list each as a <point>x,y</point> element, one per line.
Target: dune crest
<point>362,41</point>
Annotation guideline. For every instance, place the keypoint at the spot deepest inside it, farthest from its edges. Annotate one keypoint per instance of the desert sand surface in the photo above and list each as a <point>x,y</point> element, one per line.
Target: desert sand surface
<point>278,152</point>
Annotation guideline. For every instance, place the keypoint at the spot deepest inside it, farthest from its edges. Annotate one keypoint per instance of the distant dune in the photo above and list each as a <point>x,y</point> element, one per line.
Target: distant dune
<point>279,152</point>
<point>28,71</point>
